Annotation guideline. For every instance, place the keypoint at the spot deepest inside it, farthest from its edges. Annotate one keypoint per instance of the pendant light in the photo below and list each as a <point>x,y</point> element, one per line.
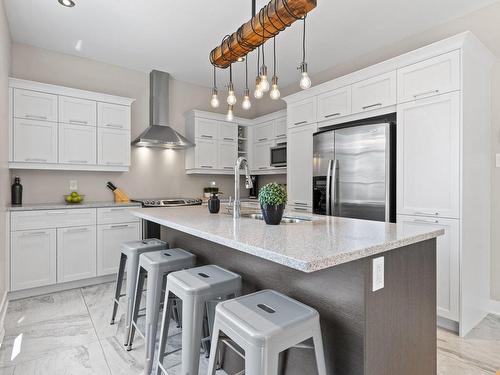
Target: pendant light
<point>246,104</point>
<point>214,102</point>
<point>67,3</point>
<point>258,94</point>
<point>231,97</point>
<point>275,92</point>
<point>230,113</point>
<point>264,83</point>
<point>305,81</point>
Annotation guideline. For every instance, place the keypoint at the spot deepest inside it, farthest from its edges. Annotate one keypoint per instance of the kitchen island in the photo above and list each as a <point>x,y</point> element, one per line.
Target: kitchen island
<point>327,262</point>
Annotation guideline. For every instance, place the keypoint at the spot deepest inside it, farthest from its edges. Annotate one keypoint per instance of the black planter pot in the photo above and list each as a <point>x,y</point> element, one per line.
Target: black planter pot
<point>273,214</point>
<point>214,204</point>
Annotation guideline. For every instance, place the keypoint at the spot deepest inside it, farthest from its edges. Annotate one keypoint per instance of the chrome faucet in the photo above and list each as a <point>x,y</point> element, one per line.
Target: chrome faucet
<point>241,161</point>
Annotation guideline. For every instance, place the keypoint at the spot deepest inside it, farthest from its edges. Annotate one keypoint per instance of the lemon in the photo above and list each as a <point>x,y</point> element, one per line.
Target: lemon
<point>74,194</point>
<point>69,198</point>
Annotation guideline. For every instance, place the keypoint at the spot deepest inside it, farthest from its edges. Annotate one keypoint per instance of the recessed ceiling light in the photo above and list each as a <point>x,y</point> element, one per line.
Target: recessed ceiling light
<point>67,3</point>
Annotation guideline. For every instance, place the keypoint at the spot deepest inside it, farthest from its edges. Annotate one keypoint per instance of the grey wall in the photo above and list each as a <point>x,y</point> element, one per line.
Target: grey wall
<point>154,173</point>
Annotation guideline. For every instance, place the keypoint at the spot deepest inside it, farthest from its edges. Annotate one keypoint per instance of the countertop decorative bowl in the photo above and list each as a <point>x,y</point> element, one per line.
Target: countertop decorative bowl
<point>82,198</point>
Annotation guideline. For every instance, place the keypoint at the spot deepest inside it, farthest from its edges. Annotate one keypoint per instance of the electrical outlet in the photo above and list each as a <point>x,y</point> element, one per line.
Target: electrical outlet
<point>378,274</point>
<point>73,185</point>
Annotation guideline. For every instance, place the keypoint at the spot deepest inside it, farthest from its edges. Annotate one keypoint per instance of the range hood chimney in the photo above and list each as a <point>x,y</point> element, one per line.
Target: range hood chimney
<point>159,133</point>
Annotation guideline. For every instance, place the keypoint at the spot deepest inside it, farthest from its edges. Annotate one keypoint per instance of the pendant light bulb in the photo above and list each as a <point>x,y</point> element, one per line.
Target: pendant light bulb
<point>231,97</point>
<point>230,114</point>
<point>258,94</point>
<point>215,99</point>
<point>275,92</point>
<point>246,104</point>
<point>264,83</point>
<point>305,81</point>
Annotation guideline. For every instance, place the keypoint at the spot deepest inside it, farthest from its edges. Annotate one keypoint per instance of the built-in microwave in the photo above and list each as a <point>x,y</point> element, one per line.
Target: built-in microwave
<point>278,155</point>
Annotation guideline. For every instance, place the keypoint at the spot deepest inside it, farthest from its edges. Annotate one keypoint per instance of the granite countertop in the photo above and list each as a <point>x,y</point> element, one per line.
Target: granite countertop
<point>310,246</point>
<point>64,206</point>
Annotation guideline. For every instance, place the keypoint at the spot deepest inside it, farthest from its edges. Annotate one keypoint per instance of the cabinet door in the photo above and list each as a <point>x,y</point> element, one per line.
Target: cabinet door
<point>228,132</point>
<point>262,155</point>
<point>76,253</point>
<point>113,116</point>
<point>77,111</point>
<point>109,241</point>
<point>448,261</point>
<point>35,105</point>
<point>113,147</point>
<point>35,141</point>
<point>435,76</point>
<point>77,144</point>
<point>264,132</point>
<point>33,258</point>
<point>429,156</point>
<point>280,129</point>
<point>228,153</point>
<point>300,166</point>
<point>333,104</point>
<point>206,154</point>
<point>301,113</point>
<point>374,93</point>
<point>206,129</point>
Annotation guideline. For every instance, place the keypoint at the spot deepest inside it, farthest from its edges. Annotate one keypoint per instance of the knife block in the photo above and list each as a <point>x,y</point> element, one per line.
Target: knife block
<point>121,197</point>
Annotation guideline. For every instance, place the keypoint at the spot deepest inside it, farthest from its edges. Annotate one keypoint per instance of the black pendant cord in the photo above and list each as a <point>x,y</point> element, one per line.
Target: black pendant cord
<point>215,78</point>
<point>230,74</point>
<point>258,61</point>
<point>263,37</point>
<point>246,73</point>
<point>274,57</point>
<point>304,41</point>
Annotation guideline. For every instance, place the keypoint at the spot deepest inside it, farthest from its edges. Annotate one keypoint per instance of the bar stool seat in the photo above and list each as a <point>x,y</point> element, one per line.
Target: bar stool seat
<point>129,261</point>
<point>156,265</point>
<point>264,324</point>
<point>195,287</point>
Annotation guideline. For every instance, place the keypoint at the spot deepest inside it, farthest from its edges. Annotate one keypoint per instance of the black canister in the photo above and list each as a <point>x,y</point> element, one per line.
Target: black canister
<point>17,192</point>
<point>214,204</point>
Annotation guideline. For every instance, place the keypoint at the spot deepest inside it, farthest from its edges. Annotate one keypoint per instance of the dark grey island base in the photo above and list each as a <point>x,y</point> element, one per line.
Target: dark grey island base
<point>388,332</point>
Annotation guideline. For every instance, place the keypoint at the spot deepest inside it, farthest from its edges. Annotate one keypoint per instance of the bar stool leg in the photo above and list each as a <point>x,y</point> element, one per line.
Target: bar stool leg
<point>119,281</point>
<point>130,287</point>
<point>153,299</point>
<point>137,305</point>
<point>318,351</point>
<point>192,327</point>
<point>212,362</point>
<point>164,330</point>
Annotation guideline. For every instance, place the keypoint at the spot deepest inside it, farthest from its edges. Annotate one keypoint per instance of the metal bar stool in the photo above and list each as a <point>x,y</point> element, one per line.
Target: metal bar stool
<point>264,324</point>
<point>195,287</point>
<point>156,266</point>
<point>129,258</point>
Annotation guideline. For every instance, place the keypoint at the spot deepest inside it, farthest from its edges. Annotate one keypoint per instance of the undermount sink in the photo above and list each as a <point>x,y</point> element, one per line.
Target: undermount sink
<point>285,219</point>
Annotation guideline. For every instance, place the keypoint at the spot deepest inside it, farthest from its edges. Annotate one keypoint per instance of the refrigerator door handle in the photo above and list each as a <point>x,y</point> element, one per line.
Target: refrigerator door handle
<point>334,191</point>
<point>329,186</point>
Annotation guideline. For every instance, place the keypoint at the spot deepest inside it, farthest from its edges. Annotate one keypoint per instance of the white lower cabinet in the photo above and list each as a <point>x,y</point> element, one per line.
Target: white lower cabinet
<point>33,258</point>
<point>76,253</point>
<point>109,240</point>
<point>448,261</point>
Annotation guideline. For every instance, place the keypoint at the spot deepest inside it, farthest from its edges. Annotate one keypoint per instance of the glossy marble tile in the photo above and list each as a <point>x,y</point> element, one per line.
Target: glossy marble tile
<point>451,366</point>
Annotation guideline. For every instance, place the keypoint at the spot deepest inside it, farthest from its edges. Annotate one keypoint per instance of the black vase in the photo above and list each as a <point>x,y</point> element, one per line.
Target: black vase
<point>214,204</point>
<point>273,214</point>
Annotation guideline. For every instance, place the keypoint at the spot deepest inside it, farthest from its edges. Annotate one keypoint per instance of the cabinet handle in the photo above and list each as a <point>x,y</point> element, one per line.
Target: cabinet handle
<point>426,213</point>
<point>207,136</point>
<point>332,115</point>
<point>34,234</point>
<point>119,226</point>
<point>56,212</point>
<point>36,160</point>
<point>299,209</point>
<point>300,123</point>
<point>229,139</point>
<point>281,135</point>
<point>228,168</point>
<point>262,139</point>
<point>426,221</point>
<point>113,163</point>
<point>118,209</point>
<point>426,93</point>
<point>78,122</point>
<point>79,161</point>
<point>263,167</point>
<point>299,204</point>
<point>206,166</point>
<point>77,230</point>
<point>114,126</point>
<point>372,106</point>
<point>37,117</point>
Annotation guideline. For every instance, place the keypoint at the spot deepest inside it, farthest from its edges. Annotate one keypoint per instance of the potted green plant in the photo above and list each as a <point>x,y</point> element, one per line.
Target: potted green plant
<point>272,199</point>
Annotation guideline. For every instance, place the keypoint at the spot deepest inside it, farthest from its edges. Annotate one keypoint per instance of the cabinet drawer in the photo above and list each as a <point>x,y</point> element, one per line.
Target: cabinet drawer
<point>77,111</point>
<point>430,77</point>
<point>113,116</point>
<point>41,219</point>
<point>115,215</point>
<point>302,113</point>
<point>228,132</point>
<point>35,105</point>
<point>35,141</point>
<point>374,93</point>
<point>264,132</point>
<point>303,209</point>
<point>333,104</point>
<point>206,129</point>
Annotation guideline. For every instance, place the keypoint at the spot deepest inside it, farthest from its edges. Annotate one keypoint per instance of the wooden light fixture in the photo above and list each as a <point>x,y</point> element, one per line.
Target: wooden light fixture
<point>267,23</point>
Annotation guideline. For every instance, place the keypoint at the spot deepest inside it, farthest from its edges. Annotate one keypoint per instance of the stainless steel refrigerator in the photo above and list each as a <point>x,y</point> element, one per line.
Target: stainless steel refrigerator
<point>354,170</point>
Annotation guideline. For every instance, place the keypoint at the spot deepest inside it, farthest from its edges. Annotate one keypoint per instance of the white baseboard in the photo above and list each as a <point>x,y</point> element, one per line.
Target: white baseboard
<point>3,311</point>
<point>494,307</point>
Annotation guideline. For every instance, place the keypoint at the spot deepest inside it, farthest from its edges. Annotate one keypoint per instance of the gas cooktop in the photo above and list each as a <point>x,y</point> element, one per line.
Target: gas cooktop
<point>168,202</point>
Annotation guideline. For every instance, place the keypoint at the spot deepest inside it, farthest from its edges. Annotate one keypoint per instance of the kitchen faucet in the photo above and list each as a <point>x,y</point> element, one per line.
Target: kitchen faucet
<point>241,161</point>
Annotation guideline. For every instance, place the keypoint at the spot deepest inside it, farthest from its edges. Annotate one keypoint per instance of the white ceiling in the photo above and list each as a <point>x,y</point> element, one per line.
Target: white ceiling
<point>177,35</point>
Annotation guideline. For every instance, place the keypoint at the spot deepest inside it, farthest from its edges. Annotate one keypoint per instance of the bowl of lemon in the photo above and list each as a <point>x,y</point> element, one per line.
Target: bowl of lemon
<point>74,198</point>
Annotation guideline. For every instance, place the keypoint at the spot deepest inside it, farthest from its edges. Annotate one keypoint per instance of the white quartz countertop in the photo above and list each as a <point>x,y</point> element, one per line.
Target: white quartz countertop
<point>65,206</point>
<point>307,246</point>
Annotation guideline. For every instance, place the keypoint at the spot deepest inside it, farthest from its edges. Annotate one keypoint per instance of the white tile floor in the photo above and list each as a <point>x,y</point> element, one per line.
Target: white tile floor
<point>69,333</point>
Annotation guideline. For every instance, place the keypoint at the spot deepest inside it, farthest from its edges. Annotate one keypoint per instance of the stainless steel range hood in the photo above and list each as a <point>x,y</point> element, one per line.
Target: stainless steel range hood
<point>159,134</point>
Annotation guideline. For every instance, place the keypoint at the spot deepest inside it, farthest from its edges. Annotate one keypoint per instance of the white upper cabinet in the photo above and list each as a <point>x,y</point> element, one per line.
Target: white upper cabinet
<point>35,105</point>
<point>77,111</point>
<point>333,104</point>
<point>35,141</point>
<point>374,93</point>
<point>206,129</point>
<point>280,128</point>
<point>228,153</point>
<point>300,165</point>
<point>113,116</point>
<point>302,113</point>
<point>77,144</point>
<point>434,76</point>
<point>113,147</point>
<point>228,132</point>
<point>206,154</point>
<point>429,157</point>
<point>262,155</point>
<point>264,132</point>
